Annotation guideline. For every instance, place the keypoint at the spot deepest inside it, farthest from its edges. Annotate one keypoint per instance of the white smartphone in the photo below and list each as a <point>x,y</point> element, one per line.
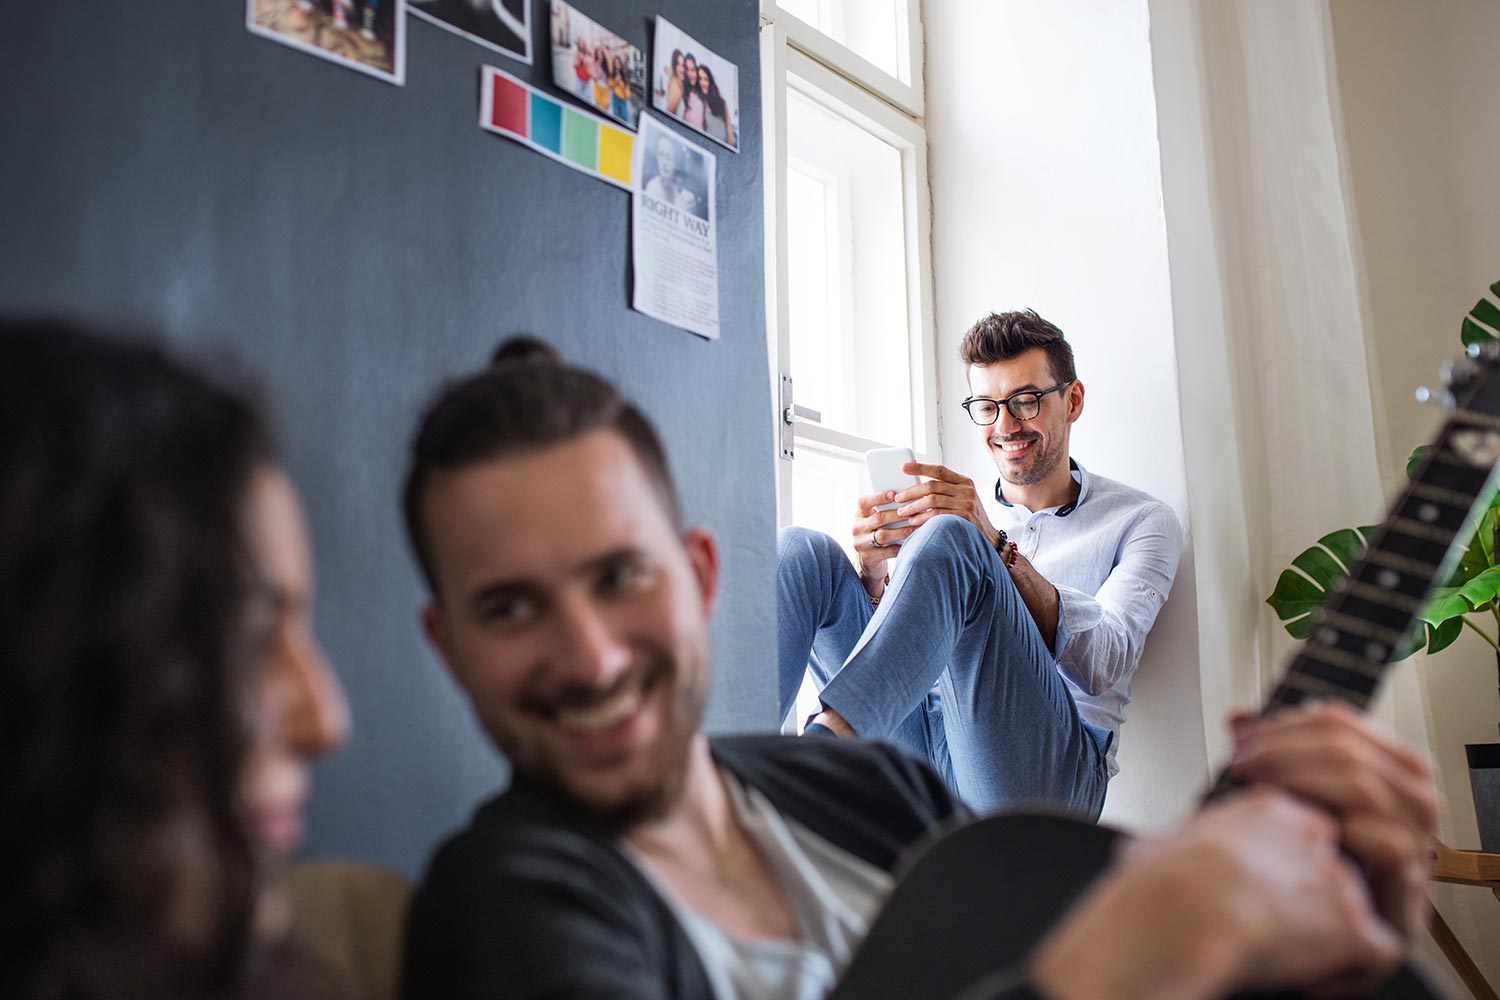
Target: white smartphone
<point>884,465</point>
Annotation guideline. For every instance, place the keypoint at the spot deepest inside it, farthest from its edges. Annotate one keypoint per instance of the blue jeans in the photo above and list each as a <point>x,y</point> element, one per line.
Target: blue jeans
<point>1001,727</point>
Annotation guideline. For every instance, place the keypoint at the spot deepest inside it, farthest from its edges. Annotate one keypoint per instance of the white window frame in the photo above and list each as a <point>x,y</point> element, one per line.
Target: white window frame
<point>906,96</point>
<point>836,80</point>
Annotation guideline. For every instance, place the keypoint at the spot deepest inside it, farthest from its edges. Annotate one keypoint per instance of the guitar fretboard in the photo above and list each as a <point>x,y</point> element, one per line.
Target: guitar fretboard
<point>1363,627</point>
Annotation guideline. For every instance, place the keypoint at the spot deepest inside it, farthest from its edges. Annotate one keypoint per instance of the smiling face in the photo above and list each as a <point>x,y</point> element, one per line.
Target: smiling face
<point>691,68</point>
<point>1027,452</point>
<point>296,708</point>
<point>575,618</point>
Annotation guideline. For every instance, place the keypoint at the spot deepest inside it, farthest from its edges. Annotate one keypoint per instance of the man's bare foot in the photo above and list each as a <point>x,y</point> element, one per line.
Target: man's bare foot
<point>834,722</point>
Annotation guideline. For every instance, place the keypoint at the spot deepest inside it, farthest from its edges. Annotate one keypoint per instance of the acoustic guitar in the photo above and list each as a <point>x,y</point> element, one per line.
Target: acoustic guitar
<point>974,905</point>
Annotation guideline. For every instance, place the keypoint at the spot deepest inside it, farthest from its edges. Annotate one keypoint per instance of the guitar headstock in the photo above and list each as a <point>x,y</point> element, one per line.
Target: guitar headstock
<point>1467,382</point>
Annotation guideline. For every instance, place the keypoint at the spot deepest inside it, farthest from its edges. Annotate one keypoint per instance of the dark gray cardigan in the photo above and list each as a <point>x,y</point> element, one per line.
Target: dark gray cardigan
<point>532,901</point>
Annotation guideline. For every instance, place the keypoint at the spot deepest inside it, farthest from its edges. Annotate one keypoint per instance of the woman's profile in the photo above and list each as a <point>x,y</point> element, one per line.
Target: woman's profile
<point>161,691</point>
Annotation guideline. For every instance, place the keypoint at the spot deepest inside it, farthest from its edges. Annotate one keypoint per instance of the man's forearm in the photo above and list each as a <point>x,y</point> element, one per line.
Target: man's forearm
<point>1041,599</point>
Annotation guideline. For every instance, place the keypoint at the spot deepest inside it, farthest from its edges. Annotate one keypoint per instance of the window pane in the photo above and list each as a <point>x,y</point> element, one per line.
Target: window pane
<point>812,299</point>
<point>824,489</point>
<point>847,296</point>
<point>874,29</point>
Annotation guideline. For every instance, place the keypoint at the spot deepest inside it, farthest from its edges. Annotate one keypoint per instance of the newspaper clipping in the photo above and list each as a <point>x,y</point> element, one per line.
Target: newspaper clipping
<point>675,248</point>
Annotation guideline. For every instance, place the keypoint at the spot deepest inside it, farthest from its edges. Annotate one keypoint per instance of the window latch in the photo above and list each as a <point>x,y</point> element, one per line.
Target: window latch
<point>801,415</point>
<point>792,414</point>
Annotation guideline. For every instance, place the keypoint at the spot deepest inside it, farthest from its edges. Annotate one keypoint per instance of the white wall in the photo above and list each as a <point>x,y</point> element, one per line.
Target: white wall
<point>1418,86</point>
<point>1174,183</point>
<point>1046,192</point>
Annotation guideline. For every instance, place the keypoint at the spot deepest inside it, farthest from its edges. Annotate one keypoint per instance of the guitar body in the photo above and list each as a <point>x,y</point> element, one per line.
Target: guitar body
<point>979,900</point>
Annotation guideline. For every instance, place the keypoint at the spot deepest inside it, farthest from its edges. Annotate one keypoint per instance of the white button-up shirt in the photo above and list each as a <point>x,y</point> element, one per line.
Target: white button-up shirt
<point>1111,554</point>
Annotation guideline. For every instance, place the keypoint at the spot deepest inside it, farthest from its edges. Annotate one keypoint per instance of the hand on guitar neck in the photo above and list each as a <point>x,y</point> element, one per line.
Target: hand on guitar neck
<point>1313,879</point>
<point>1379,790</point>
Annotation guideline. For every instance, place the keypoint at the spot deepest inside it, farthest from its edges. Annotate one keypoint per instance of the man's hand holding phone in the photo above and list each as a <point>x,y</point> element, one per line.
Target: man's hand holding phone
<point>878,529</point>
<point>894,474</point>
<point>902,502</point>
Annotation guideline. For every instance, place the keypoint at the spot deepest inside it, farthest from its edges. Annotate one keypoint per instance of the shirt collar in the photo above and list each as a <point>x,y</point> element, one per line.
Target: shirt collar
<point>1080,477</point>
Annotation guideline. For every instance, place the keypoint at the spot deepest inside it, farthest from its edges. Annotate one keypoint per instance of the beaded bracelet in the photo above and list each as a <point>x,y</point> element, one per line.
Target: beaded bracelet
<point>875,601</point>
<point>1007,559</point>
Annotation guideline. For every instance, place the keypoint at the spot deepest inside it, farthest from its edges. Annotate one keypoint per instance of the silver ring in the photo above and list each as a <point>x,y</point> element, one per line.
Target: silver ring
<point>878,543</point>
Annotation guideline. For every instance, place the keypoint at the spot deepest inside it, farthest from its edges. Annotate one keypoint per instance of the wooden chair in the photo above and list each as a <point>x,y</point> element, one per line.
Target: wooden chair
<point>353,917</point>
<point>1463,868</point>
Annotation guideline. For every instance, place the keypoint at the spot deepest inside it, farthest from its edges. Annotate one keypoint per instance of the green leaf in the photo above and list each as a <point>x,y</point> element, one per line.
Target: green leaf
<point>1316,572</point>
<point>1474,562</point>
<point>1347,544</point>
<point>1484,535</point>
<point>1446,603</point>
<point>1296,596</point>
<point>1487,313</point>
<point>1495,288</point>
<point>1318,564</point>
<point>1416,460</point>
<point>1483,589</point>
<point>1442,637</point>
<point>1472,333</point>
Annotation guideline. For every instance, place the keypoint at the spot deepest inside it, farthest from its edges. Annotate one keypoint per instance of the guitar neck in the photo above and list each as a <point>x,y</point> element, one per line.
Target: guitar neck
<point>1367,624</point>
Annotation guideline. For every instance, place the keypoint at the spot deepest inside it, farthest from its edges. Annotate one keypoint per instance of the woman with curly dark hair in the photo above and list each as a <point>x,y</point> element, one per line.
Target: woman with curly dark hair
<point>161,691</point>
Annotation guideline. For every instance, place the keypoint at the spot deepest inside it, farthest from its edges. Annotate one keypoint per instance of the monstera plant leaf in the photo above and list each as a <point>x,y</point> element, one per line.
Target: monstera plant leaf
<point>1474,585</point>
<point>1484,311</point>
<point>1317,572</point>
<point>1323,567</point>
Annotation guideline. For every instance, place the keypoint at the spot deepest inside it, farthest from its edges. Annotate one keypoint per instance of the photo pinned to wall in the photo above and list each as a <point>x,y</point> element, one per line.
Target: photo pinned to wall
<point>674,246</point>
<point>502,25</point>
<point>694,85</point>
<point>554,128</point>
<point>597,66</point>
<point>364,35</point>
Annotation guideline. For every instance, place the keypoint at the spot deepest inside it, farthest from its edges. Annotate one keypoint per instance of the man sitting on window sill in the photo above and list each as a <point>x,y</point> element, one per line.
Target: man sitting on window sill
<point>1000,651</point>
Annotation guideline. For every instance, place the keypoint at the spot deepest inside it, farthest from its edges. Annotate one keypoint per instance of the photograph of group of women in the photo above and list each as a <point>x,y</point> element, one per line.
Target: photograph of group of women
<point>696,86</point>
<point>596,65</point>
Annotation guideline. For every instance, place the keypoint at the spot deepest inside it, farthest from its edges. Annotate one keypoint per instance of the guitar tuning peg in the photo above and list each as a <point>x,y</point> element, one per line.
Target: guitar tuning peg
<point>1424,394</point>
<point>1457,372</point>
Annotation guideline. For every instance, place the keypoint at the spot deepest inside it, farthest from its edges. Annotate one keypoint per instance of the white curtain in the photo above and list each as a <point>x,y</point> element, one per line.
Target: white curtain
<point>1272,320</point>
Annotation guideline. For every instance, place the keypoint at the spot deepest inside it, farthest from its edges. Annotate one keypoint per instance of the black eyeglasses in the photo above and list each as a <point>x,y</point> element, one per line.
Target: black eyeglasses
<point>1022,405</point>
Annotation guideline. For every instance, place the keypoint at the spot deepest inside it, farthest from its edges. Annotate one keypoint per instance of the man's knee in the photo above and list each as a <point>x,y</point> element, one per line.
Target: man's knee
<point>948,533</point>
<point>800,545</point>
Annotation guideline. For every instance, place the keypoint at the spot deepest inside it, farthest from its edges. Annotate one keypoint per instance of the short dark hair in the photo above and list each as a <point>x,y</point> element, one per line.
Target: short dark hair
<point>528,399</point>
<point>1003,336</point>
<point>124,584</point>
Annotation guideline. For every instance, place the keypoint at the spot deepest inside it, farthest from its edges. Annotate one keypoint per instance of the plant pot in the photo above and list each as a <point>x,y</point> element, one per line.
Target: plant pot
<point>1484,779</point>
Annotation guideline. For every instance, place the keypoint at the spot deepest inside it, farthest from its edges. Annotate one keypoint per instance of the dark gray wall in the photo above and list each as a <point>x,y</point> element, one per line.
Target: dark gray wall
<point>356,243</point>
